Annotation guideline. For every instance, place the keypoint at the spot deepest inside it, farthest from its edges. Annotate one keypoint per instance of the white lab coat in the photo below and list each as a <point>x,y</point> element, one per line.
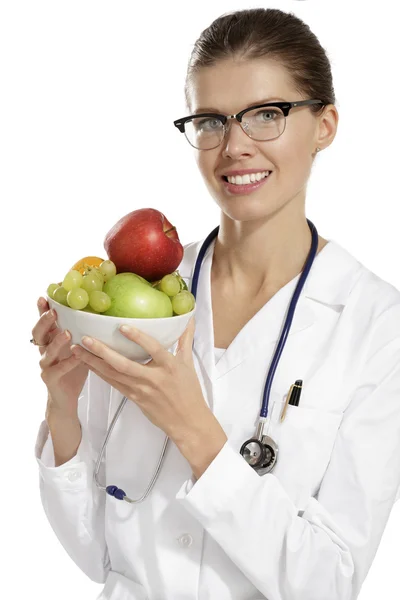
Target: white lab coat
<point>307,531</point>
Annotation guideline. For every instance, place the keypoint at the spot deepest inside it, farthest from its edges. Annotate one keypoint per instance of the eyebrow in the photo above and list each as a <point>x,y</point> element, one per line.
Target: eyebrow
<point>256,103</point>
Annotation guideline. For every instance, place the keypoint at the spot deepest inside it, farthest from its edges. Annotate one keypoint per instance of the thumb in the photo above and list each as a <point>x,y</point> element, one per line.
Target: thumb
<point>185,342</point>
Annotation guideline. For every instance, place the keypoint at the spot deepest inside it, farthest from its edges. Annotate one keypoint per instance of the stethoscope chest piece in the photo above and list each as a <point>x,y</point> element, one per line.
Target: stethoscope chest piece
<point>261,455</point>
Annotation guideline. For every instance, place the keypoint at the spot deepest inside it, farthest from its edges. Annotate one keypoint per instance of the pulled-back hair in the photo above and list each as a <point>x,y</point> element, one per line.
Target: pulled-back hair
<point>271,34</point>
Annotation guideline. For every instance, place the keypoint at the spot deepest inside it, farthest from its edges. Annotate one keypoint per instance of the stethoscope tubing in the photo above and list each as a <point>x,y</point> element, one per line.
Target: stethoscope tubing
<point>290,313</point>
<point>113,490</point>
<point>264,443</point>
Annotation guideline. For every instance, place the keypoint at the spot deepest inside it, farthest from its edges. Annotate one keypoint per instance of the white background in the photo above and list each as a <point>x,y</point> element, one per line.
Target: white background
<point>81,82</point>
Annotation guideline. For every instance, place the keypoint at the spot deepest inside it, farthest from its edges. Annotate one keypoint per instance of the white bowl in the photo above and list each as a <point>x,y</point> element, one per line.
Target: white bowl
<point>79,323</point>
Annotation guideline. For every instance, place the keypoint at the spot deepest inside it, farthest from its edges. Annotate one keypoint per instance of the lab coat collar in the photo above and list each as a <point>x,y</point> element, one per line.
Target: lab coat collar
<point>329,282</point>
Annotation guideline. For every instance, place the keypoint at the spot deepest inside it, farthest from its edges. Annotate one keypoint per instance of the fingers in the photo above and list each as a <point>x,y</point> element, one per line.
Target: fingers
<point>45,329</point>
<point>43,306</point>
<point>57,350</point>
<point>53,374</point>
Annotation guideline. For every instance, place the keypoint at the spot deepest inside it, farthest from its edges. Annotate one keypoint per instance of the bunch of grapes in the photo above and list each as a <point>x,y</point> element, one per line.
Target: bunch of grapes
<point>173,285</point>
<point>84,292</point>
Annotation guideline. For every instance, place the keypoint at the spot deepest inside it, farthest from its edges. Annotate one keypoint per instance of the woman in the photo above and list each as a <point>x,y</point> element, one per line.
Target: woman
<point>213,527</point>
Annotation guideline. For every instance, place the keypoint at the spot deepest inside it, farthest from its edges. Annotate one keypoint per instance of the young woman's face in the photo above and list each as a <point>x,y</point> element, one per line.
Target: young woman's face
<point>229,87</point>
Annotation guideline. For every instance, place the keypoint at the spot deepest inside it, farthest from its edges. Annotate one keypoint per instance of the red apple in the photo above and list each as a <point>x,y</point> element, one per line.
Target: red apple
<point>144,242</point>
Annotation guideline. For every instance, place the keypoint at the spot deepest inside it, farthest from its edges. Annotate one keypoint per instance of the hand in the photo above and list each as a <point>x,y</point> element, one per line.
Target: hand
<point>63,374</point>
<point>166,389</point>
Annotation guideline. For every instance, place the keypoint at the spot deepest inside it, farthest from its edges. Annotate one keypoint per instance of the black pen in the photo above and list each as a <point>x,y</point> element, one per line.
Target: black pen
<point>293,397</point>
<point>296,392</point>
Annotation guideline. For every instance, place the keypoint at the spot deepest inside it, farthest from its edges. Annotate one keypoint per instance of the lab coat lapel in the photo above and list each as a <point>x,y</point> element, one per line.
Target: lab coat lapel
<point>328,282</point>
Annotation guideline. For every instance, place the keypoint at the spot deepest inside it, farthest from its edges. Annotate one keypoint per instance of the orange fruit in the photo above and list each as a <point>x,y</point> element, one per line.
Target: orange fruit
<point>85,263</point>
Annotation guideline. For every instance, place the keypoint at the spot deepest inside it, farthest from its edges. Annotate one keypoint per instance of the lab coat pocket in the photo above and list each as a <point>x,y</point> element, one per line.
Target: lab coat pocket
<point>305,441</point>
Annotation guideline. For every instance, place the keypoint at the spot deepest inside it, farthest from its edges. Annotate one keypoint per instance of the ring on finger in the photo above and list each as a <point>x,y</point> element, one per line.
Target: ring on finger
<point>35,343</point>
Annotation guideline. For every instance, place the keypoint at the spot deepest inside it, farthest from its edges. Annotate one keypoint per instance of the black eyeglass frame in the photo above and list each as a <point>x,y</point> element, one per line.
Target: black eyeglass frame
<point>284,106</point>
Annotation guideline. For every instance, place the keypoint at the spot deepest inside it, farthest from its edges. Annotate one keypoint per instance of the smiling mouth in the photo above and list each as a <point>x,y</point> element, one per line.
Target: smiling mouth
<point>225,178</point>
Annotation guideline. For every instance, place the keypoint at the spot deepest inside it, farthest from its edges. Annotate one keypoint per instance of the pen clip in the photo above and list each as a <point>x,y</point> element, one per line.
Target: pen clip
<point>283,413</point>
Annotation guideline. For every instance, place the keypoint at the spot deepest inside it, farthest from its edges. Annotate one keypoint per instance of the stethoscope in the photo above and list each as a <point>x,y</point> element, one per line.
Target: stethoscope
<point>261,451</point>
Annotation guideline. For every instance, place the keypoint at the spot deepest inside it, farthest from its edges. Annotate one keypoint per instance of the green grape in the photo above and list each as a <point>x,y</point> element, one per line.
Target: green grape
<point>99,301</point>
<point>51,289</point>
<point>77,298</point>
<point>95,271</point>
<point>183,302</point>
<point>170,285</point>
<point>108,268</point>
<point>89,309</point>
<point>60,295</point>
<point>73,279</point>
<point>99,274</point>
<point>91,282</point>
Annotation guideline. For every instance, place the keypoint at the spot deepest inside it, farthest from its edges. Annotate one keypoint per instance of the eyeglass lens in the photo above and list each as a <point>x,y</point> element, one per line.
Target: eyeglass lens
<point>260,124</point>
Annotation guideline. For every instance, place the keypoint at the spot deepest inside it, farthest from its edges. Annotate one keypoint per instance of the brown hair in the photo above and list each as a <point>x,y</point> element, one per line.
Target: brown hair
<point>272,34</point>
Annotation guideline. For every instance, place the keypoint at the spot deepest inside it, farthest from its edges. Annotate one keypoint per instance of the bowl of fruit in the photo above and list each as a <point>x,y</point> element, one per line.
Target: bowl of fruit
<point>140,287</point>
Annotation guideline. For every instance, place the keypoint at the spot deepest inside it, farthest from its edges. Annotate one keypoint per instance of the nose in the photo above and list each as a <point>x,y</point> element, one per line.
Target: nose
<point>236,141</point>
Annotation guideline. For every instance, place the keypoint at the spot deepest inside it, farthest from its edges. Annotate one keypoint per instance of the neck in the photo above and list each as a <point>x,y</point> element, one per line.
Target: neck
<point>252,258</point>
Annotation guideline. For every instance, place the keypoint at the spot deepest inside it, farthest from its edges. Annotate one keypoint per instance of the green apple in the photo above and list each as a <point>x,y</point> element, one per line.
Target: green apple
<point>134,297</point>
<point>131,276</point>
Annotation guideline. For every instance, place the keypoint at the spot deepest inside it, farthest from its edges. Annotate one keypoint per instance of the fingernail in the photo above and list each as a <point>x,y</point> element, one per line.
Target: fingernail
<point>127,329</point>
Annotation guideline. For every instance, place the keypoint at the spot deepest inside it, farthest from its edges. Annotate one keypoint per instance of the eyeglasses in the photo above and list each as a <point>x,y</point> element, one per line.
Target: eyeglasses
<point>206,131</point>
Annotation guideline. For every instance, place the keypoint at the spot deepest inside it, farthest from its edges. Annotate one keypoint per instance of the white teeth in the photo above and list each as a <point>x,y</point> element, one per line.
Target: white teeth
<point>246,179</point>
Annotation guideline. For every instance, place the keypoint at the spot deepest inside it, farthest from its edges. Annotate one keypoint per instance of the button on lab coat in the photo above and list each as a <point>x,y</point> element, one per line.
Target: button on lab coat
<point>309,530</point>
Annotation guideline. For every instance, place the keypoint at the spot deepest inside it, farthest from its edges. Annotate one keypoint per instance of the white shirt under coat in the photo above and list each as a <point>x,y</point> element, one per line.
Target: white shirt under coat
<point>308,530</point>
